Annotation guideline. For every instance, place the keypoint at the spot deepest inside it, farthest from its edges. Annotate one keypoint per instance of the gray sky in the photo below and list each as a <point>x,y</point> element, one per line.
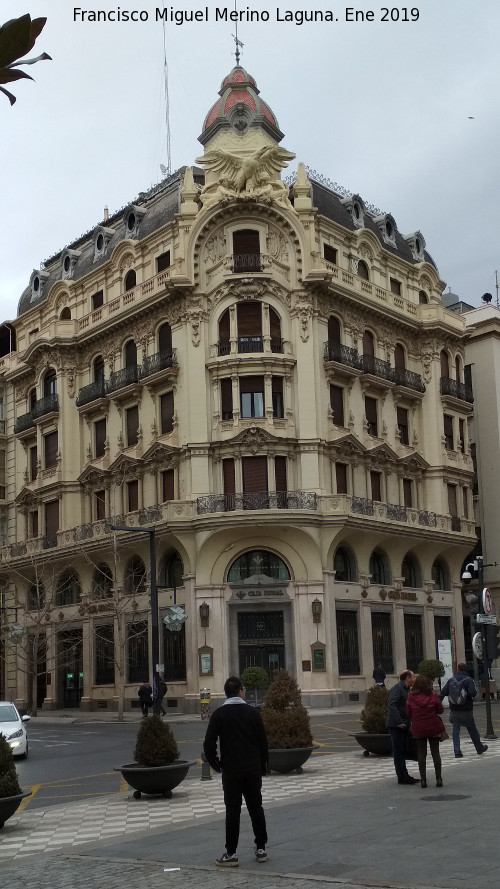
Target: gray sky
<point>382,108</point>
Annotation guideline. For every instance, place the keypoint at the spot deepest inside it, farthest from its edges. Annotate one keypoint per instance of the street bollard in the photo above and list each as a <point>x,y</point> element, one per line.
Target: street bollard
<point>206,772</point>
<point>205,703</point>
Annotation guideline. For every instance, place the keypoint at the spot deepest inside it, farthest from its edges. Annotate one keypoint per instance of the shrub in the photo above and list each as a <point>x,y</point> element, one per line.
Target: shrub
<point>254,677</point>
<point>9,784</point>
<point>374,713</point>
<point>155,744</point>
<point>285,718</point>
<point>432,669</point>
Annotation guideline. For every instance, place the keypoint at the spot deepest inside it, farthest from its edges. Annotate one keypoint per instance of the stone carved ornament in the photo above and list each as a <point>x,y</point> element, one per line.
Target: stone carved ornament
<point>253,175</point>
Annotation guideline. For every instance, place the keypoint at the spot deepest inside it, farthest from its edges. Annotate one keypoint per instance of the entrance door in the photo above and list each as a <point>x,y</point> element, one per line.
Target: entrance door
<point>261,641</point>
<point>70,667</point>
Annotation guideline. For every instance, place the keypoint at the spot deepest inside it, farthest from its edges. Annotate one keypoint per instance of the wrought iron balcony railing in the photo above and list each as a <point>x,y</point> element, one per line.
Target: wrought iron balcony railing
<point>362,506</point>
<point>378,368</point>
<point>456,389</point>
<point>409,379</point>
<point>121,378</point>
<point>395,512</point>
<point>224,347</point>
<point>49,541</point>
<point>256,500</point>
<point>92,392</point>
<point>246,262</point>
<point>160,361</point>
<point>250,344</point>
<point>45,406</point>
<point>25,421</point>
<point>276,344</point>
<point>343,354</point>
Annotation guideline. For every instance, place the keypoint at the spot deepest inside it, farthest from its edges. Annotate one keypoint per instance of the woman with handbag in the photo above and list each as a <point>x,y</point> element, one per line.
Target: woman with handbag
<point>423,707</point>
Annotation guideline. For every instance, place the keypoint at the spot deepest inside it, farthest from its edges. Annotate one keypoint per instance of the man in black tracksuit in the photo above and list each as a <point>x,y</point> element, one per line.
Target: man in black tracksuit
<point>243,760</point>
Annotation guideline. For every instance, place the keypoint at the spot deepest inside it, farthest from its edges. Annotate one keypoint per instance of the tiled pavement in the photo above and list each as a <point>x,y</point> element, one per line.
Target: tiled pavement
<point>116,816</point>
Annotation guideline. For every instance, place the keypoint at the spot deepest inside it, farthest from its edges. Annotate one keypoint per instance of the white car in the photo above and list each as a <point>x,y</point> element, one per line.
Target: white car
<point>13,728</point>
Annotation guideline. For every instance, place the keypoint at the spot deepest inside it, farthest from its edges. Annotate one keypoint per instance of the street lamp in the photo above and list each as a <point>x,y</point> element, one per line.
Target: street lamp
<point>477,567</point>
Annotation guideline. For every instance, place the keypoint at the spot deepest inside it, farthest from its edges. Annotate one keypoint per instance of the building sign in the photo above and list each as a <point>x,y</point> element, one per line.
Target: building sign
<point>261,588</point>
<point>402,594</point>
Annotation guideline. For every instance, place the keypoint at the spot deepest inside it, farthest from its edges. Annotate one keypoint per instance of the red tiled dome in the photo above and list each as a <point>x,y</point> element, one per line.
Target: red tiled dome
<point>239,86</point>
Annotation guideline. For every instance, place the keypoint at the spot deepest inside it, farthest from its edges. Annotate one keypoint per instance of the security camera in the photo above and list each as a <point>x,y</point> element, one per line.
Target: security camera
<point>466,577</point>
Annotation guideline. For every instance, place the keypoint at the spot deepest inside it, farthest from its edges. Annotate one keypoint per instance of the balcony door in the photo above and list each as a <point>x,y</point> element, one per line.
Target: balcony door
<point>255,483</point>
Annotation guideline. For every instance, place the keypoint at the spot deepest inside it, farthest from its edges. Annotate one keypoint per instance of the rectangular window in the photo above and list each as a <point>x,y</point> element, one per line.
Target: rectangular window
<point>371,415</point>
<point>395,286</point>
<point>254,474</point>
<point>99,437</point>
<point>167,485</point>
<point>137,650</point>
<point>277,390</point>
<point>97,300</point>
<point>2,475</point>
<point>226,398</point>
<point>407,492</point>
<point>100,505</point>
<point>330,254</point>
<point>461,435</point>
<point>341,478</point>
<point>453,507</point>
<point>376,485</point>
<point>252,396</point>
<point>33,523</point>
<point>382,640</point>
<point>448,431</point>
<point>413,640</point>
<point>280,480</point>
<point>337,404</point>
<point>402,419</point>
<point>229,482</point>
<point>162,262</point>
<point>104,655</point>
<point>166,413</point>
<point>468,379</point>
<point>50,444</point>
<point>348,642</point>
<point>132,425</point>
<point>33,463</point>
<point>465,502</point>
<point>133,495</point>
<point>52,521</point>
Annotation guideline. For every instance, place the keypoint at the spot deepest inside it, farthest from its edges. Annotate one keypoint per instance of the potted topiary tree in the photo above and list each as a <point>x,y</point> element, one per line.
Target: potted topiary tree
<point>286,721</point>
<point>157,768</point>
<point>254,679</point>
<point>375,737</point>
<point>433,669</point>
<point>11,794</point>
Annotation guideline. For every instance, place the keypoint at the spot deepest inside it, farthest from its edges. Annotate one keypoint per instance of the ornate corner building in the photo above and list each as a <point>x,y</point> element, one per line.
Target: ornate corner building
<point>264,372</point>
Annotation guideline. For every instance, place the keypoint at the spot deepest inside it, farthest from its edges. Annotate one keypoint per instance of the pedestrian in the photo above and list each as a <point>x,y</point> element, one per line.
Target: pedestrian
<point>379,675</point>
<point>460,691</point>
<point>398,724</point>
<point>423,707</point>
<point>159,692</point>
<point>242,759</point>
<point>145,696</point>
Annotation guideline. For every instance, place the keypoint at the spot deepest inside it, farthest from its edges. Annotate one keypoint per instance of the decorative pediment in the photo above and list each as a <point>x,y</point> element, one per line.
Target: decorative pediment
<point>93,476</point>
<point>26,499</point>
<point>255,439</point>
<point>347,447</point>
<point>161,455</point>
<point>383,454</point>
<point>125,467</point>
<point>414,463</point>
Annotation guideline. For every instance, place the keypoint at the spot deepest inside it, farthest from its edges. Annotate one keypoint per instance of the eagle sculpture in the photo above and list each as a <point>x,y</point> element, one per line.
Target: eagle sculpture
<point>246,173</point>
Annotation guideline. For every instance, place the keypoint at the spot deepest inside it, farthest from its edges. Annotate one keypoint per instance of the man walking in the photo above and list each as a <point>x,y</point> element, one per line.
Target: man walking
<point>460,690</point>
<point>398,724</point>
<point>159,692</point>
<point>243,760</point>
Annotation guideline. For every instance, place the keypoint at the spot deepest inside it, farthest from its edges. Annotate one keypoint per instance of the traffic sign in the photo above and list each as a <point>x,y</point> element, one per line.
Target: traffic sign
<point>486,618</point>
<point>477,645</point>
<point>487,603</point>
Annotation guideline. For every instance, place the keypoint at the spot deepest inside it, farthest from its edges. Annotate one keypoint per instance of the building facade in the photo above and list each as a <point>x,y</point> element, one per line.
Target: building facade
<point>265,373</point>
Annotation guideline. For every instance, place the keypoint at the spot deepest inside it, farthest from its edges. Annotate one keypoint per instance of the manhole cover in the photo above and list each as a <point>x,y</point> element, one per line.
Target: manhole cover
<point>446,797</point>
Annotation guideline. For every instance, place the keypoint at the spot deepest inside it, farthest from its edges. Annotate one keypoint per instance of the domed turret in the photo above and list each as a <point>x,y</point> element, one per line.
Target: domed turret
<point>239,109</point>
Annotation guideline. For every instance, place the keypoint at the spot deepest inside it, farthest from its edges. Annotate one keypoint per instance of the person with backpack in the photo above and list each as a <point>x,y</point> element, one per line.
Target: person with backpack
<point>159,692</point>
<point>460,691</point>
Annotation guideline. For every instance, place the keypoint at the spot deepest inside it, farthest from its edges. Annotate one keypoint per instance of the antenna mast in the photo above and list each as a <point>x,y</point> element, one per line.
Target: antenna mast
<point>496,286</point>
<point>167,101</point>
<point>237,42</point>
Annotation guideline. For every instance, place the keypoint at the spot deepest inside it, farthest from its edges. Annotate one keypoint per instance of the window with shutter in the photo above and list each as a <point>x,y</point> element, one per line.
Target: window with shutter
<point>445,364</point>
<point>166,412</point>
<point>254,474</point>
<point>249,317</point>
<point>368,344</point>
<point>341,478</point>
<point>224,332</point>
<point>274,324</point>
<point>371,415</point>
<point>165,339</point>
<point>408,492</point>
<point>376,486</point>
<point>402,418</point>
<point>226,397</point>
<point>333,330</point>
<point>246,251</point>
<point>448,432</point>
<point>228,475</point>
<point>399,357</point>
<point>167,485</point>
<point>133,495</point>
<point>98,369</point>
<point>277,391</point>
<point>280,473</point>
<point>50,443</point>
<point>163,262</point>
<point>252,396</point>
<point>100,437</point>
<point>51,518</point>
<point>337,404</point>
<point>33,523</point>
<point>130,354</point>
<point>132,423</point>
<point>100,505</point>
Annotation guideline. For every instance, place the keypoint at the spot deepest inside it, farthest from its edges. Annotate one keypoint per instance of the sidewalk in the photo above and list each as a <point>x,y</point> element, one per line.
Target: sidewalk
<point>344,821</point>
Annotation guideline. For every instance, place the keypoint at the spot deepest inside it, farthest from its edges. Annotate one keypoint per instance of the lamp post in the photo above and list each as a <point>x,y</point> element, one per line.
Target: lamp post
<point>155,648</point>
<point>478,566</point>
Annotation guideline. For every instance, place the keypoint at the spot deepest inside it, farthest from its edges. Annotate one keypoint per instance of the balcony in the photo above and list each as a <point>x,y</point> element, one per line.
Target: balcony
<point>23,423</point>
<point>408,379</point>
<point>158,362</point>
<point>378,368</point>
<point>44,406</point>
<point>246,262</point>
<point>277,345</point>
<point>224,348</point>
<point>343,355</point>
<point>49,541</point>
<point>127,376</point>
<point>90,393</point>
<point>454,389</point>
<point>256,500</point>
<point>250,344</point>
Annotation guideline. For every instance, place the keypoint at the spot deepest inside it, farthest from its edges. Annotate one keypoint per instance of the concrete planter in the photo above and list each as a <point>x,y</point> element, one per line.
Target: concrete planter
<point>377,745</point>
<point>155,780</point>
<point>289,759</point>
<point>10,804</point>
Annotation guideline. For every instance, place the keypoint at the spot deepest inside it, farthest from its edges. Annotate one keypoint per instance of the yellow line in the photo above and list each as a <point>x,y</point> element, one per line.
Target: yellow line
<point>27,799</point>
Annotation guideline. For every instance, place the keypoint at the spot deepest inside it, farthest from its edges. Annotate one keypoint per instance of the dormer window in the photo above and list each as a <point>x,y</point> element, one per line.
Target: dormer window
<point>69,260</point>
<point>102,237</point>
<point>356,208</point>
<point>37,281</point>
<point>416,243</point>
<point>132,219</point>
<point>387,228</point>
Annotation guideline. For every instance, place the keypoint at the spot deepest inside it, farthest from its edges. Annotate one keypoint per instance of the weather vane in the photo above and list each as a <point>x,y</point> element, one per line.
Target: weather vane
<point>237,42</point>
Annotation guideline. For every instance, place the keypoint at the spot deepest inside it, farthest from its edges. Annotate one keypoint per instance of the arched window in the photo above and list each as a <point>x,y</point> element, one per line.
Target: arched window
<point>275,331</point>
<point>165,339</point>
<point>98,369</point>
<point>130,280</point>
<point>399,357</point>
<point>258,561</point>
<point>65,314</point>
<point>68,589</point>
<point>50,383</point>
<point>410,571</point>
<point>224,333</point>
<point>130,354</point>
<point>135,577</point>
<point>445,364</point>
<point>440,575</point>
<point>344,565</point>
<point>379,567</point>
<point>333,330</point>
<point>363,270</point>
<point>102,582</point>
<point>368,344</point>
<point>423,298</point>
<point>458,369</point>
<point>171,571</point>
<point>32,399</point>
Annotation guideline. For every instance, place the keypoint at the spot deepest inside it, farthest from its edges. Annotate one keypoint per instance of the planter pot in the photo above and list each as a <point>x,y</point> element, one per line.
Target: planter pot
<point>381,745</point>
<point>289,759</point>
<point>155,780</point>
<point>10,804</point>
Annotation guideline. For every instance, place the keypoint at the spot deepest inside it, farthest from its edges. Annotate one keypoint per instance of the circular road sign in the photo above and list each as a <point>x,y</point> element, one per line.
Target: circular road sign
<point>487,603</point>
<point>477,645</point>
